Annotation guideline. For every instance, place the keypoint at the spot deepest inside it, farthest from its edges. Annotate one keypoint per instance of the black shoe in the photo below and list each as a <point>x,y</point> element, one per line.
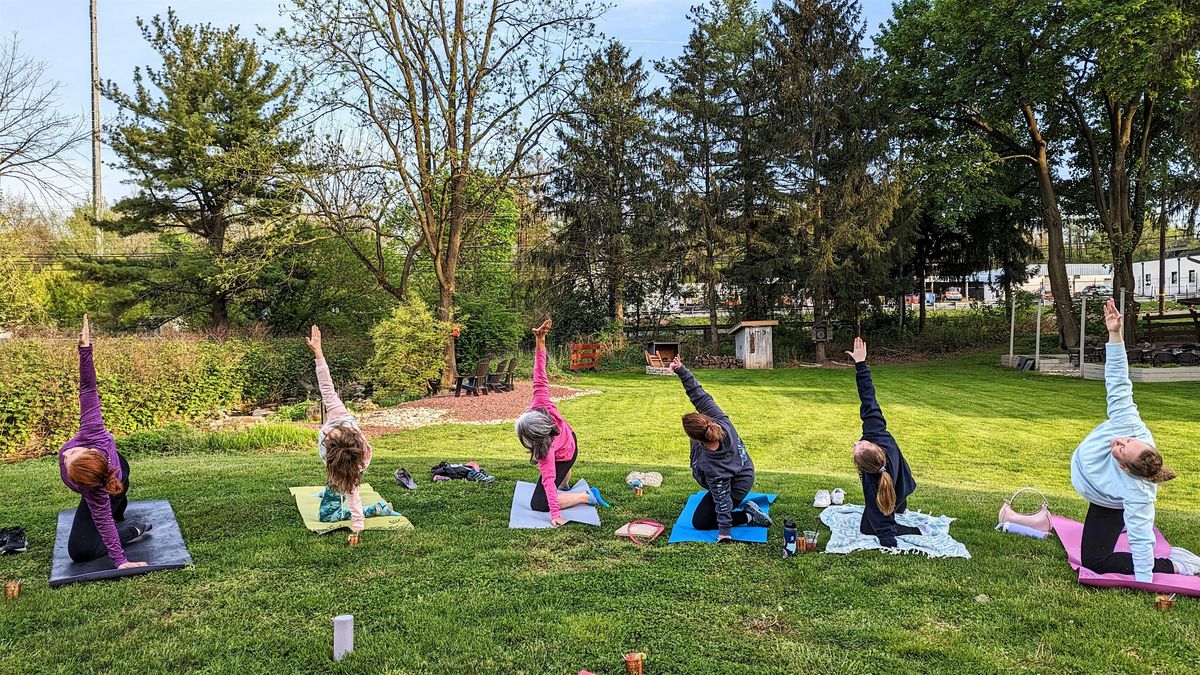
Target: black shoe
<point>481,477</point>
<point>142,529</point>
<point>757,517</point>
<point>13,541</point>
<point>405,479</point>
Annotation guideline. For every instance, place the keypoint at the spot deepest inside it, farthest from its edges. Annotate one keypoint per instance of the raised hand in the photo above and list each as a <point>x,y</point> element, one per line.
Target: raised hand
<point>675,364</point>
<point>85,335</point>
<point>541,330</point>
<point>860,351</point>
<point>314,340</point>
<point>1112,317</point>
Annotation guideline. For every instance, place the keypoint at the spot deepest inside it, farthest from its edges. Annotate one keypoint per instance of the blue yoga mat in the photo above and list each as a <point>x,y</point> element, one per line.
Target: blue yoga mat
<point>683,530</point>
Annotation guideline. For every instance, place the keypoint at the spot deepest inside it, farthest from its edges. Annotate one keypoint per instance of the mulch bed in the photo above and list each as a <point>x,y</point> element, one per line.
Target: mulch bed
<point>445,408</point>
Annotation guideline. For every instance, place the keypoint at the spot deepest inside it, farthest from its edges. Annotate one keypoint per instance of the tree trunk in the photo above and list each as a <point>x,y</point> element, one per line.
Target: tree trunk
<point>220,301</point>
<point>220,314</point>
<point>1068,326</point>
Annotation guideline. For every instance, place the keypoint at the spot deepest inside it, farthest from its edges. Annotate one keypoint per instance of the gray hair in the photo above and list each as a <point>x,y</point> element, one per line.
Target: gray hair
<point>536,429</point>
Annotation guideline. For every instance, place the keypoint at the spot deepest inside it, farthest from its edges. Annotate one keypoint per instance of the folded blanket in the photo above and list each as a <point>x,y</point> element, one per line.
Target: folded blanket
<point>843,522</point>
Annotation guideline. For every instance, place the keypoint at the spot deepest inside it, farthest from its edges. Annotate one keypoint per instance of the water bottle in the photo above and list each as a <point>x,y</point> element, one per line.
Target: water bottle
<point>789,538</point>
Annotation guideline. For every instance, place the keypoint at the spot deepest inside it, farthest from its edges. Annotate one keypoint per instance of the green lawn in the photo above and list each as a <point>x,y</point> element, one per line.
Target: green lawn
<point>462,593</point>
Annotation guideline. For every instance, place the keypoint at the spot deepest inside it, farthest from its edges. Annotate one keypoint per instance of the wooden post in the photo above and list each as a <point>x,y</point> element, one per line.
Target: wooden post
<point>1082,329</point>
<point>1037,345</point>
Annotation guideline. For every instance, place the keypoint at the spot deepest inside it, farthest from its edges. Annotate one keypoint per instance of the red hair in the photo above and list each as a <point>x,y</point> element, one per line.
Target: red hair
<point>90,469</point>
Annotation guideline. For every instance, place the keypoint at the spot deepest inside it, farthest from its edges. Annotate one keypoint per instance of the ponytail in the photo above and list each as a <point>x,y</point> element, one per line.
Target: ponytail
<point>702,428</point>
<point>114,486</point>
<point>885,496</point>
<point>1149,466</point>
<point>870,459</point>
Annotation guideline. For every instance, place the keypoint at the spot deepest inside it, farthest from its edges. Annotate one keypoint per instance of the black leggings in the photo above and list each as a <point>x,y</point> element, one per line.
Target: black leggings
<point>705,515</point>
<point>561,470</point>
<point>1100,531</point>
<point>864,525</point>
<point>85,543</point>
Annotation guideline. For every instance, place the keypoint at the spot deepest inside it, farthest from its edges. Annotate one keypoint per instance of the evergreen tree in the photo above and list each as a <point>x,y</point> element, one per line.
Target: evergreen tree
<point>203,138</point>
<point>606,190</point>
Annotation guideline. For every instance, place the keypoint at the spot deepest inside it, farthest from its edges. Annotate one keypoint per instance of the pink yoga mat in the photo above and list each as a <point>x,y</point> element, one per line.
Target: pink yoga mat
<point>1070,532</point>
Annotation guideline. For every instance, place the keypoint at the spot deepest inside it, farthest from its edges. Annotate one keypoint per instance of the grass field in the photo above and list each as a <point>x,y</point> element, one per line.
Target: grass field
<point>462,593</point>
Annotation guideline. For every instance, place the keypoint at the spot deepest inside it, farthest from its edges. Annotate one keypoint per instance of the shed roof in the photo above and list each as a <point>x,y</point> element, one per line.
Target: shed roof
<point>749,324</point>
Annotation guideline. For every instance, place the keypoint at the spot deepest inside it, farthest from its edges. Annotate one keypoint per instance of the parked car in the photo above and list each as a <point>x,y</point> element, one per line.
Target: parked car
<point>952,294</point>
<point>1098,291</point>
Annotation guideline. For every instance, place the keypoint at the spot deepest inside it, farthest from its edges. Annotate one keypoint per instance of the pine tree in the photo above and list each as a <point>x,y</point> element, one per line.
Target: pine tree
<point>203,138</point>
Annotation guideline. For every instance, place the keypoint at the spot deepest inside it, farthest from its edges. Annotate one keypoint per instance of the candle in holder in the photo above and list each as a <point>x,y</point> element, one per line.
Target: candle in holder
<point>633,663</point>
<point>12,589</point>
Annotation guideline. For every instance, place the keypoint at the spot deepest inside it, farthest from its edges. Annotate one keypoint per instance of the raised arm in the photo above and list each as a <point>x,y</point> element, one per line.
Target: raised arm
<point>541,382</point>
<point>1121,407</point>
<point>873,423</point>
<point>90,416</point>
<point>704,403</point>
<point>334,408</point>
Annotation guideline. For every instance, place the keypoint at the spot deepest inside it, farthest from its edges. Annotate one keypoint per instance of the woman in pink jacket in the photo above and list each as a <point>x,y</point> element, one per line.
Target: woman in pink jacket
<point>551,443</point>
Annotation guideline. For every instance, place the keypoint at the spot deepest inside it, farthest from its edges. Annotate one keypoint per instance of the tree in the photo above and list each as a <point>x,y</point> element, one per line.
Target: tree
<point>447,90</point>
<point>605,189</point>
<point>35,138</point>
<point>994,71</point>
<point>833,136</point>
<point>1131,66</point>
<point>203,138</point>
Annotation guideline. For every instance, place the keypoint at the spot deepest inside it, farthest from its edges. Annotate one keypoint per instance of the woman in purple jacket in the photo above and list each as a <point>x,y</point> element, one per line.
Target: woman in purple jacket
<point>90,465</point>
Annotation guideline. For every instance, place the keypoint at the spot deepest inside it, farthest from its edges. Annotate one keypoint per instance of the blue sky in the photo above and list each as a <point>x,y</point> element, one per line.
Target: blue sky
<point>56,33</point>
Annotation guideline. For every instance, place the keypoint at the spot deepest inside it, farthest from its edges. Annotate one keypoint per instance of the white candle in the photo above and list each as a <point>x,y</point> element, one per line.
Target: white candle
<point>343,636</point>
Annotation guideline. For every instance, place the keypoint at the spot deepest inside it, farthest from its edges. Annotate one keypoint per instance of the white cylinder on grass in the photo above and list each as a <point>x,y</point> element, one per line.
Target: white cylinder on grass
<point>343,636</point>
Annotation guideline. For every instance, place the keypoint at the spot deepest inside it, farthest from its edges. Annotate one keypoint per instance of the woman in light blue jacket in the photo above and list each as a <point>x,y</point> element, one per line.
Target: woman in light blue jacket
<point>1118,469</point>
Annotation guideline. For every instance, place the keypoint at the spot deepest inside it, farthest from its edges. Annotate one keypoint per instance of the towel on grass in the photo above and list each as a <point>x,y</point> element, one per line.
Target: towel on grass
<point>843,522</point>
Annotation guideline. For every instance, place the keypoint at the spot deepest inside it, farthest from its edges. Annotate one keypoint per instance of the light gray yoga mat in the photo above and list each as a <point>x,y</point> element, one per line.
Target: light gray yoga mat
<point>524,518</point>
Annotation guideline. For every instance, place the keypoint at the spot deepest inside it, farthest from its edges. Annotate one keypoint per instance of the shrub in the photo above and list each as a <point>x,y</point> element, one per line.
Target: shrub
<point>409,349</point>
<point>146,383</point>
<point>178,439</point>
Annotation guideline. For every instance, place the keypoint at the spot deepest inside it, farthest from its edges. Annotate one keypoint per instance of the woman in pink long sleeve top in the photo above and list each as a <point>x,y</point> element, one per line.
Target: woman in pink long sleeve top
<point>343,448</point>
<point>90,465</point>
<point>551,443</point>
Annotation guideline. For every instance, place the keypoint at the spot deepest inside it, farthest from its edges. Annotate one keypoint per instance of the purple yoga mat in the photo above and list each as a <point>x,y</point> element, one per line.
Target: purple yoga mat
<point>1070,532</point>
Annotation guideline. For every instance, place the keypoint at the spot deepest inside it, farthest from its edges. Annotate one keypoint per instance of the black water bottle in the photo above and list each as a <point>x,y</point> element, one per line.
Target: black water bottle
<point>789,538</point>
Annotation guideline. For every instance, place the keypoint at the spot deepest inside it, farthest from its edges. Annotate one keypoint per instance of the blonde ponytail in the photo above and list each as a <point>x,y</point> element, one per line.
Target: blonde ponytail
<point>885,496</point>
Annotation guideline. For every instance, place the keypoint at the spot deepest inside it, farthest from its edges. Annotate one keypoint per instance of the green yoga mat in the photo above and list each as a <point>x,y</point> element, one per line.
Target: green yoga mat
<point>308,500</point>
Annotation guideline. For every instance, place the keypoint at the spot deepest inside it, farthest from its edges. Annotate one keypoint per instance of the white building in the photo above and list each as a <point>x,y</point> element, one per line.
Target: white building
<point>1183,278</point>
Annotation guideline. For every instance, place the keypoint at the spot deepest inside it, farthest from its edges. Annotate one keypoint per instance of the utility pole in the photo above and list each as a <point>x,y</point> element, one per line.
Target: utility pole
<point>96,130</point>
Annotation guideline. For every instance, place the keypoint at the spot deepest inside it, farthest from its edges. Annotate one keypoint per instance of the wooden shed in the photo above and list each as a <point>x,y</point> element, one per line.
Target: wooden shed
<point>752,343</point>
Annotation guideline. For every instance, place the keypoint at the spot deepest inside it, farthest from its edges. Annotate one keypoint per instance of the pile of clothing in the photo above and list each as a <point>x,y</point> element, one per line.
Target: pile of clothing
<point>470,471</point>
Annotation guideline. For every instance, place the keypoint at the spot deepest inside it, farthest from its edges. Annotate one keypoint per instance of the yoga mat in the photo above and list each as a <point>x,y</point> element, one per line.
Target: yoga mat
<point>682,530</point>
<point>1070,533</point>
<point>845,536</point>
<point>521,517</point>
<point>308,500</point>
<point>162,547</point>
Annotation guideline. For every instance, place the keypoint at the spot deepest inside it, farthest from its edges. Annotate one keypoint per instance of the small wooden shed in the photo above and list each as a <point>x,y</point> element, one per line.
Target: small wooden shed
<point>752,343</point>
<point>659,356</point>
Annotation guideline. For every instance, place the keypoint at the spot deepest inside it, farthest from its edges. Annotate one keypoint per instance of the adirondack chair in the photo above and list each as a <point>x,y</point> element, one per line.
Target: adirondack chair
<point>508,384</point>
<point>494,380</point>
<point>472,382</point>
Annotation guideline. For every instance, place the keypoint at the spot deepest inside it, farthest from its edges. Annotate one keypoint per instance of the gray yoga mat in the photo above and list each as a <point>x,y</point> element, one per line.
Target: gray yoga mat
<point>524,518</point>
<point>162,547</point>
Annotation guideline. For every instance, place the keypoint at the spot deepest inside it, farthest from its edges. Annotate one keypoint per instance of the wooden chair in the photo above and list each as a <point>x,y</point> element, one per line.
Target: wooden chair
<point>495,380</point>
<point>508,384</point>
<point>472,382</point>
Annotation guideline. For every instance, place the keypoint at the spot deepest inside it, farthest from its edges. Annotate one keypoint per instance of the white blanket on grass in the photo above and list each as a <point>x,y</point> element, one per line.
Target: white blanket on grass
<point>844,520</point>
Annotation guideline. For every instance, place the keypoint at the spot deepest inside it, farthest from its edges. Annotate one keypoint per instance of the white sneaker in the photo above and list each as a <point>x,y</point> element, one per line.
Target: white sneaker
<point>838,496</point>
<point>822,499</point>
<point>1185,561</point>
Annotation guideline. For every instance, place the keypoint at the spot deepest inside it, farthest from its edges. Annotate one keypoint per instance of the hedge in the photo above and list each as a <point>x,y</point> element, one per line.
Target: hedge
<point>146,383</point>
